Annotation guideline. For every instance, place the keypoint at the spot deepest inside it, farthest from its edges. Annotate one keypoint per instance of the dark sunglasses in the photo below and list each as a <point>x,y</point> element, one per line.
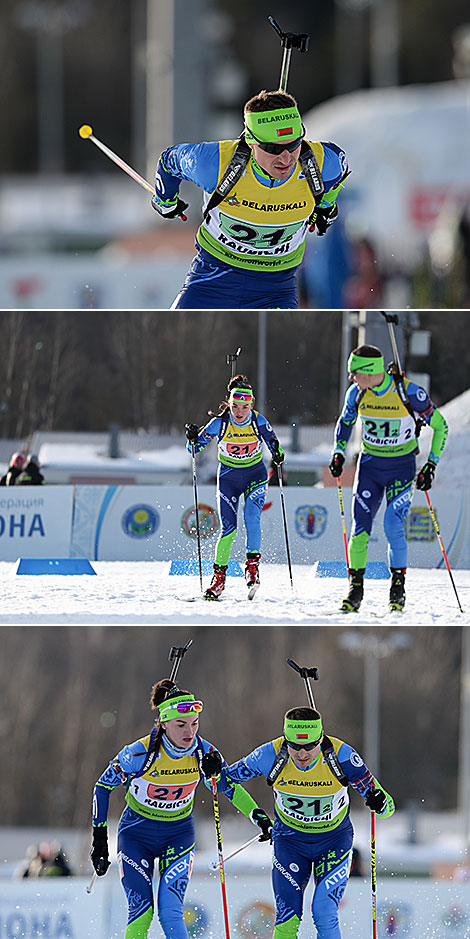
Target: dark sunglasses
<point>304,746</point>
<point>280,147</point>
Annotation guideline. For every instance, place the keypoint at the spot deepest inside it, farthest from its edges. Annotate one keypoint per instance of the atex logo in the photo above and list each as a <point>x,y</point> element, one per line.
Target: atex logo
<point>336,876</point>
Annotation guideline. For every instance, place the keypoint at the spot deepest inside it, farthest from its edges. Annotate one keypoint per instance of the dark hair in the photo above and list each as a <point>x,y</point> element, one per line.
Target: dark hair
<point>238,381</point>
<point>371,351</point>
<point>270,101</point>
<point>302,714</point>
<point>161,691</point>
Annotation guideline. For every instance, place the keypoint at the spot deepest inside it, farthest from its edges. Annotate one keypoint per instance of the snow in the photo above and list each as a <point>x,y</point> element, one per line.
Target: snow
<point>144,592</point>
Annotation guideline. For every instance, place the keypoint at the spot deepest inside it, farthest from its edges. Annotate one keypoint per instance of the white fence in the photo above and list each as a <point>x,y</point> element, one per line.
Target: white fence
<point>60,907</point>
<point>132,523</point>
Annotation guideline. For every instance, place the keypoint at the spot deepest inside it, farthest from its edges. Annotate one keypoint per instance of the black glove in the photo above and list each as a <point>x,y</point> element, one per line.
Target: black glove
<point>258,817</point>
<point>425,477</point>
<point>376,800</point>
<point>336,464</point>
<point>323,218</point>
<point>171,209</point>
<point>211,764</point>
<point>277,454</point>
<point>99,851</point>
<point>192,432</point>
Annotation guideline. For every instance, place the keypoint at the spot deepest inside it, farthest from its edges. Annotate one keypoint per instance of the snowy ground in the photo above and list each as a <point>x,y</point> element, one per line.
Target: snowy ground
<point>144,593</point>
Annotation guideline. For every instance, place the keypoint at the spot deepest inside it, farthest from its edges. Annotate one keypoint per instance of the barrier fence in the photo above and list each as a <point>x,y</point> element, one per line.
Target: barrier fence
<point>146,523</point>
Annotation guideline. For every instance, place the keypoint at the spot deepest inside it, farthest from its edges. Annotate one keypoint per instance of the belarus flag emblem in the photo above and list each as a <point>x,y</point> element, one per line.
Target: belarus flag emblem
<point>284,131</point>
<point>302,736</point>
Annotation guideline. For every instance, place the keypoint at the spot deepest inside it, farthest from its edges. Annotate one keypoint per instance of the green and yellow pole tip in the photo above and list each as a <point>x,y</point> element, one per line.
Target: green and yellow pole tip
<point>85,131</point>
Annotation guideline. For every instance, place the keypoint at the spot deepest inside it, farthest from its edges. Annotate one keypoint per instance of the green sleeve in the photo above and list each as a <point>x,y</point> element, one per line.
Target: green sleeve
<point>242,800</point>
<point>439,437</point>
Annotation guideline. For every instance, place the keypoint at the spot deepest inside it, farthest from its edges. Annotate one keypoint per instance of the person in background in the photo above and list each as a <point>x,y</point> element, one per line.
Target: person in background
<point>30,475</point>
<point>15,467</point>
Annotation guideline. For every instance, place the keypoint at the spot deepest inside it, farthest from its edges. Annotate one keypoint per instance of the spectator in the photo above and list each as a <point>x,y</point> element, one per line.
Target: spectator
<point>30,476</point>
<point>15,467</point>
<point>55,863</point>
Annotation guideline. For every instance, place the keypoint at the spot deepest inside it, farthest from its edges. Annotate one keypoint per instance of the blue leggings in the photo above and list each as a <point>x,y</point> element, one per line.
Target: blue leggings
<point>294,857</point>
<point>212,285</point>
<point>232,482</point>
<point>140,842</point>
<point>375,476</point>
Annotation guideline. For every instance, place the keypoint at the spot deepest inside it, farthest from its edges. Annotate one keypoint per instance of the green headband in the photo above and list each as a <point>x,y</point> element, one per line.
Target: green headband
<point>366,365</point>
<point>168,709</point>
<point>302,731</point>
<point>273,126</point>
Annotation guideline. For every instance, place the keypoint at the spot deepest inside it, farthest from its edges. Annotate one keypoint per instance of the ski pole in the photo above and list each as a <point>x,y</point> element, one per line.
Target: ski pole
<point>89,888</point>
<point>175,655</point>
<point>373,872</point>
<point>306,674</point>
<point>289,41</point>
<point>196,506</point>
<point>214,864</point>
<point>343,520</point>
<point>283,506</point>
<point>232,360</point>
<point>438,533</point>
<point>86,133</point>
<point>220,852</point>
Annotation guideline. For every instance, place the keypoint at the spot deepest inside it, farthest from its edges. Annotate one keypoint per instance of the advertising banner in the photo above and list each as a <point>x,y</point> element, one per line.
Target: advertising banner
<point>35,521</point>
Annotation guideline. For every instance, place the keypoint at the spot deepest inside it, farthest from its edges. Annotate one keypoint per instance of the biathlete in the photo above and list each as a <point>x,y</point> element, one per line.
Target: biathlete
<point>160,772</point>
<point>240,431</point>
<point>312,832</point>
<point>392,410</point>
<point>262,194</point>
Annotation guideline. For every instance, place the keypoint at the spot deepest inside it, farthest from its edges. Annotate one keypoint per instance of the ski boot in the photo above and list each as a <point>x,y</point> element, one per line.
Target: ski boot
<point>352,602</point>
<point>217,583</point>
<point>396,600</point>
<point>252,572</point>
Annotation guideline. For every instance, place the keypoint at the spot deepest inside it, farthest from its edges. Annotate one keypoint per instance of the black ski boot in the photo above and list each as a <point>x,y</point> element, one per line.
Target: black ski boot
<point>352,602</point>
<point>217,583</point>
<point>252,572</point>
<point>396,600</point>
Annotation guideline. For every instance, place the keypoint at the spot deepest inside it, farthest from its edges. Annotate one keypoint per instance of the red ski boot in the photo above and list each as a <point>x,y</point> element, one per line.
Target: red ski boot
<point>217,583</point>
<point>252,572</point>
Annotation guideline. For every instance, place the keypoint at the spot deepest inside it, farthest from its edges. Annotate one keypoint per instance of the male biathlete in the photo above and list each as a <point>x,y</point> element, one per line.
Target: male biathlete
<point>391,409</point>
<point>160,772</point>
<point>312,832</point>
<point>262,194</point>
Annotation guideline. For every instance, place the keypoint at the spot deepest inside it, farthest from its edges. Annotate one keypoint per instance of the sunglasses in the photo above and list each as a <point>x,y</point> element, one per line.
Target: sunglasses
<point>304,746</point>
<point>277,148</point>
<point>237,396</point>
<point>185,707</point>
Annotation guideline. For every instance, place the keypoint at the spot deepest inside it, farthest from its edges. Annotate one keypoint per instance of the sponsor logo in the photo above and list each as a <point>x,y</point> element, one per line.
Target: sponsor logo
<point>421,394</point>
<point>179,868</point>
<point>311,521</point>
<point>170,772</point>
<point>301,782</point>
<point>285,873</point>
<point>140,521</point>
<point>355,759</point>
<point>294,868</point>
<point>362,503</point>
<point>282,207</point>
<point>338,875</point>
<point>130,861</point>
<point>366,493</point>
<point>231,200</point>
<point>208,521</point>
<point>276,117</point>
<point>144,862</point>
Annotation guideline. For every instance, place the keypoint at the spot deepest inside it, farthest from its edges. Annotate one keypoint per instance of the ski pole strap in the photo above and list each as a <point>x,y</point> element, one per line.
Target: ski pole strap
<point>328,752</point>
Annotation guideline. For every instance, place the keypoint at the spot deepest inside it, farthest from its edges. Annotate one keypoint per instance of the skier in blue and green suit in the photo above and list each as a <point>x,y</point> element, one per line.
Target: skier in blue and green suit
<point>160,772</point>
<point>240,432</point>
<point>312,831</point>
<point>391,409</point>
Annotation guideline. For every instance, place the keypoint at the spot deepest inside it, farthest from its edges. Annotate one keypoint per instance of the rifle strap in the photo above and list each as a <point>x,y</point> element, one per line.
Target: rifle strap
<point>328,753</point>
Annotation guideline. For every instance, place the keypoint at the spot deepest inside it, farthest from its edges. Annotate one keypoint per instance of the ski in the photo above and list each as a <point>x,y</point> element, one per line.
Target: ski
<point>252,590</point>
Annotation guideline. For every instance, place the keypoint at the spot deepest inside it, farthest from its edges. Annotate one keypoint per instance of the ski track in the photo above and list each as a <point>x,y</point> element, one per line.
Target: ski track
<point>143,593</point>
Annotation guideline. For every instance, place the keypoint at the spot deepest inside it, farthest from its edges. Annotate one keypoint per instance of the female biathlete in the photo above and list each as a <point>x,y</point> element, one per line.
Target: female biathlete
<point>160,772</point>
<point>240,432</point>
<point>312,832</point>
